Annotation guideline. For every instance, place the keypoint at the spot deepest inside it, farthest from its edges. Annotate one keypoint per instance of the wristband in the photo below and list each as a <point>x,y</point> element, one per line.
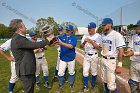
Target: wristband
<point>120,64</point>
<point>136,53</point>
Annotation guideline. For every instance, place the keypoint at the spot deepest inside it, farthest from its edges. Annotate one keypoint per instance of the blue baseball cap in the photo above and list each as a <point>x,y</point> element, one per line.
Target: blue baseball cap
<point>60,28</point>
<point>107,21</point>
<point>69,27</point>
<point>32,33</point>
<point>91,25</point>
<point>137,24</point>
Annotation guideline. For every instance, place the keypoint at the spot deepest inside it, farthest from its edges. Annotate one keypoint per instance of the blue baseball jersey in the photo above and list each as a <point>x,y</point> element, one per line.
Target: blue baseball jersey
<point>67,54</point>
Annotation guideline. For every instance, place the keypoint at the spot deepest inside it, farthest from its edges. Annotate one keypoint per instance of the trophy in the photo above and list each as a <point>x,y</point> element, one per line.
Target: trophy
<point>47,31</point>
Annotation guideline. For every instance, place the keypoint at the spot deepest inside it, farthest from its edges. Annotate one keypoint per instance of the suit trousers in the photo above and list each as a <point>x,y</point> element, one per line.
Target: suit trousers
<point>28,82</point>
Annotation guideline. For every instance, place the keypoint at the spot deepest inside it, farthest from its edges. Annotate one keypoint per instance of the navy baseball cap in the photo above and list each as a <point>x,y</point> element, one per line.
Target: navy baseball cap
<point>32,33</point>
<point>69,27</point>
<point>91,25</point>
<point>60,28</point>
<point>137,24</point>
<point>107,21</point>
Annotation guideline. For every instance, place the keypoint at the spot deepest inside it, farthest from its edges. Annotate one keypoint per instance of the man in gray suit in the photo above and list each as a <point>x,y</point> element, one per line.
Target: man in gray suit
<point>22,50</point>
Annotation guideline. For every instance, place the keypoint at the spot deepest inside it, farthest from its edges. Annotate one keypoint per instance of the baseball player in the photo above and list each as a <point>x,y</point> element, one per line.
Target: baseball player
<point>40,61</point>
<point>67,44</point>
<point>112,55</point>
<point>134,52</point>
<point>60,31</point>
<point>3,48</point>
<point>91,43</point>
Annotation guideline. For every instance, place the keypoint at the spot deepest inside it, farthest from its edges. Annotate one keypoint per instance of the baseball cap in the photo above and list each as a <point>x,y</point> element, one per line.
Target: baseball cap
<point>107,21</point>
<point>91,25</point>
<point>69,27</point>
<point>60,28</point>
<point>32,33</point>
<point>137,24</point>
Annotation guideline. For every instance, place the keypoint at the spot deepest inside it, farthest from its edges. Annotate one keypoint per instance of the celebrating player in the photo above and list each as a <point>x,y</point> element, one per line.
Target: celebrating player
<point>134,52</point>
<point>112,55</point>
<point>67,44</point>
<point>91,44</point>
<point>40,61</point>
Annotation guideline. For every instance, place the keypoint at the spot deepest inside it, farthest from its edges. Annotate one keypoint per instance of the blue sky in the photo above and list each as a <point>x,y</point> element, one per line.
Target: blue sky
<point>62,10</point>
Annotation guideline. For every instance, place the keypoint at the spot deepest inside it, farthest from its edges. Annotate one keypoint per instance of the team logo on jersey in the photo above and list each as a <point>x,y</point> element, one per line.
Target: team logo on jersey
<point>137,42</point>
<point>107,41</point>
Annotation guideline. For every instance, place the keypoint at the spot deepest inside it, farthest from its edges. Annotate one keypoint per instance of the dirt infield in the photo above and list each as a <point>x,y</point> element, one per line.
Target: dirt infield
<point>122,78</point>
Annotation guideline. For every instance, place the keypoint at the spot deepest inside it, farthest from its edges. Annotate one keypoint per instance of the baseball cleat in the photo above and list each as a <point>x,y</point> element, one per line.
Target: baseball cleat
<point>72,88</point>
<point>59,89</point>
<point>84,89</point>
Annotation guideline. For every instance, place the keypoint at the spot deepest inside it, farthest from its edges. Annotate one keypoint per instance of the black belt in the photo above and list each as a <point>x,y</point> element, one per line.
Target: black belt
<point>40,57</point>
<point>91,54</point>
<point>108,57</point>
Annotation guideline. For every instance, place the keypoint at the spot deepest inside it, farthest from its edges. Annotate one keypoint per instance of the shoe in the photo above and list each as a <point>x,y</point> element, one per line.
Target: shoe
<point>59,89</point>
<point>47,85</point>
<point>71,88</point>
<point>84,89</point>
<point>37,86</point>
<point>93,90</point>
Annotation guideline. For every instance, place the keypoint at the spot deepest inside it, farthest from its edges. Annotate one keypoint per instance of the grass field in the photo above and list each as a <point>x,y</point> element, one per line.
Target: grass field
<point>51,56</point>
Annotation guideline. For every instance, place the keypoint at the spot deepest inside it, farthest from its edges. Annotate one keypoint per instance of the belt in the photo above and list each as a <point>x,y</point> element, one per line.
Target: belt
<point>108,57</point>
<point>40,57</point>
<point>91,54</point>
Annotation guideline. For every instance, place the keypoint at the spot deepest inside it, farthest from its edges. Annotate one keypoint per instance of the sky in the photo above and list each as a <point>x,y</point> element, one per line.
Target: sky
<point>81,12</point>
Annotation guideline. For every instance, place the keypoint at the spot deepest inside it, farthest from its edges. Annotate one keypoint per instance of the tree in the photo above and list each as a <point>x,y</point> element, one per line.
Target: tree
<point>69,23</point>
<point>49,21</point>
<point>5,31</point>
<point>99,30</point>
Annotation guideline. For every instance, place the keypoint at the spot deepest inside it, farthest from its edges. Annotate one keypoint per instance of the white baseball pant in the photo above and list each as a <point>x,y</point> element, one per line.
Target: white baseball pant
<point>42,63</point>
<point>63,65</point>
<point>90,64</point>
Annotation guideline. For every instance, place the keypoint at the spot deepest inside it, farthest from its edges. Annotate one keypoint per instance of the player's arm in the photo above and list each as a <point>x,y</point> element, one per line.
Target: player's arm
<point>83,42</point>
<point>120,55</point>
<point>94,44</point>
<point>120,45</point>
<point>70,46</point>
<point>65,44</point>
<point>7,56</point>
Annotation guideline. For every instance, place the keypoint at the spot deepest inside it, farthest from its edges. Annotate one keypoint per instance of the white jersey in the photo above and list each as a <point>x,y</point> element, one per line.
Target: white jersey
<point>6,46</point>
<point>39,54</point>
<point>111,43</point>
<point>88,46</point>
<point>134,44</point>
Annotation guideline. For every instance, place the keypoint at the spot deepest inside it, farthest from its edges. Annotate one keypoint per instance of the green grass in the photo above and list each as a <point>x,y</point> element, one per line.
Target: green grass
<point>51,56</point>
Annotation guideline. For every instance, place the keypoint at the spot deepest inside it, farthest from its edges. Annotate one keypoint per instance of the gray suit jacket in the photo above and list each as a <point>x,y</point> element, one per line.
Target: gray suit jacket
<point>22,50</point>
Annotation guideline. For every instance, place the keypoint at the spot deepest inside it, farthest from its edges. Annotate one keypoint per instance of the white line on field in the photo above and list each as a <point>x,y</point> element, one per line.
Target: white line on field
<point>119,77</point>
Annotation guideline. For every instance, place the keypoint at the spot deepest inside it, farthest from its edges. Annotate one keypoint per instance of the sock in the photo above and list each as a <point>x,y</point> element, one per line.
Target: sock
<point>37,79</point>
<point>94,80</point>
<point>106,88</point>
<point>61,80</point>
<point>86,81</point>
<point>45,79</point>
<point>11,86</point>
<point>71,80</point>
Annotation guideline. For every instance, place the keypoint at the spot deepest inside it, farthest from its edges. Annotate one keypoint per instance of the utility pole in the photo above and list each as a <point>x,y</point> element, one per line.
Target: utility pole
<point>121,17</point>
